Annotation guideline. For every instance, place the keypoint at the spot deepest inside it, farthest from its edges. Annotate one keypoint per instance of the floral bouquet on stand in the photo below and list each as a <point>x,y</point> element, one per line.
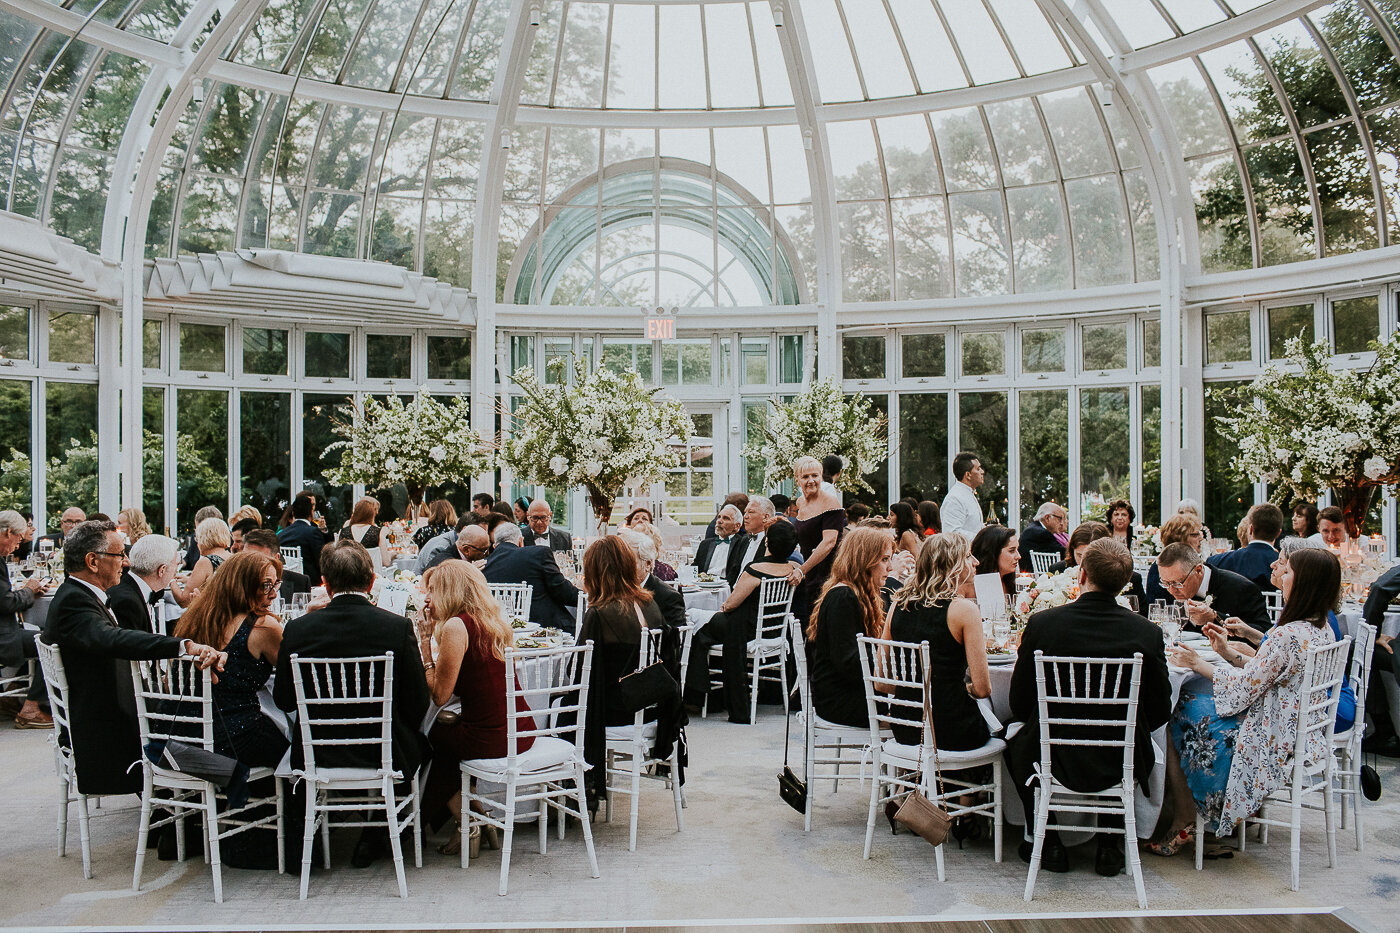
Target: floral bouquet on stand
<point>601,430</point>
<point>421,444</point>
<point>820,421</point>
<point>1093,507</point>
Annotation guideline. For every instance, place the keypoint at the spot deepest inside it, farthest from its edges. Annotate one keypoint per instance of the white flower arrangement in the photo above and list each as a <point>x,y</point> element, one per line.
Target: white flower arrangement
<point>1147,541</point>
<point>820,421</point>
<point>424,443</point>
<point>602,430</point>
<point>1054,589</point>
<point>1093,507</point>
<point>1306,426</point>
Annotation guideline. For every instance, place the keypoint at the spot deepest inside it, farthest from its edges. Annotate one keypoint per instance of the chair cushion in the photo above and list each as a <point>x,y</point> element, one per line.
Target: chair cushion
<point>624,733</point>
<point>899,752</point>
<point>344,775</point>
<point>547,752</point>
<point>820,723</point>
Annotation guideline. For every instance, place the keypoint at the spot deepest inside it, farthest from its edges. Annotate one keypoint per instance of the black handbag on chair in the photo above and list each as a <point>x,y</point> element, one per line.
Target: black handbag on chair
<point>792,788</point>
<point>649,686</point>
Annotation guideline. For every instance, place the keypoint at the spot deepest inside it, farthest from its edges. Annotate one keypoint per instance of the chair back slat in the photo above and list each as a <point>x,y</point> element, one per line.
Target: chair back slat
<point>774,604</point>
<point>174,700</point>
<point>1362,649</point>
<point>558,683</point>
<point>1068,692</point>
<point>887,668</point>
<point>1042,561</point>
<point>1273,602</point>
<point>56,680</point>
<point>1324,668</point>
<point>345,703</point>
<point>514,598</point>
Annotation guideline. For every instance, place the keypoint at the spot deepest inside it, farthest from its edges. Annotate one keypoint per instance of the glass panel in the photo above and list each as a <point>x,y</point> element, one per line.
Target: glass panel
<point>790,358</point>
<point>450,357</point>
<point>201,454</point>
<point>265,439</point>
<point>982,430</point>
<point>754,355</point>
<point>71,446</point>
<point>202,348</point>
<point>153,458</point>
<point>151,334</point>
<point>1227,337</point>
<point>1044,436</point>
<point>1102,246</point>
<point>865,251</point>
<point>318,416</point>
<point>1355,323</point>
<point>389,356</point>
<point>984,354</point>
<point>1222,214</point>
<point>1105,346</point>
<point>264,351</point>
<point>924,355</point>
<point>327,355</point>
<point>981,251</point>
<point>755,414</point>
<point>880,479</point>
<point>923,445</point>
<point>1291,321</point>
<point>14,332</point>
<point>16,420</point>
<point>1228,497</point>
<point>557,348</point>
<point>863,357</point>
<point>72,337</point>
<point>522,352</point>
<point>685,362</point>
<point>1038,236</point>
<point>1043,351</point>
<point>1152,343</point>
<point>1104,439</point>
<point>1151,454</point>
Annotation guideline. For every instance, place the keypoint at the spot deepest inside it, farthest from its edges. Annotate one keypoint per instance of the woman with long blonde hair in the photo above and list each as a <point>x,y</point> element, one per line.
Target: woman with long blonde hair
<point>132,523</point>
<point>930,608</point>
<point>850,605</point>
<point>472,636</point>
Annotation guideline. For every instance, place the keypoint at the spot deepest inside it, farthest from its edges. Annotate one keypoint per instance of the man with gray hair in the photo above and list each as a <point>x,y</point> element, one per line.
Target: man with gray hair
<point>538,530</point>
<point>712,556</point>
<point>512,562</point>
<point>138,601</point>
<point>670,602</point>
<point>1210,594</point>
<point>17,642</point>
<point>1039,534</point>
<point>759,515</point>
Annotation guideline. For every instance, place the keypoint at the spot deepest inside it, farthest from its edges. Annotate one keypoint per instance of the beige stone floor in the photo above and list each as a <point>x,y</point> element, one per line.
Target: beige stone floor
<point>742,855</point>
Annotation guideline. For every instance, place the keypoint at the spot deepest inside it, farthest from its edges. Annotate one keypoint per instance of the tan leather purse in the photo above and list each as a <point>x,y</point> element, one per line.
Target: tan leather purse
<point>917,812</point>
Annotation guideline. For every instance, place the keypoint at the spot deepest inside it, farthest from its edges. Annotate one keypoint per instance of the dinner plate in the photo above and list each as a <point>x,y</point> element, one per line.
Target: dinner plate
<point>1000,658</point>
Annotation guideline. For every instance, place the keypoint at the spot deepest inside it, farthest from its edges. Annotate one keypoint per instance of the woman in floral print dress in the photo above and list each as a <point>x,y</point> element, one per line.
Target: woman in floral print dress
<point>1236,741</point>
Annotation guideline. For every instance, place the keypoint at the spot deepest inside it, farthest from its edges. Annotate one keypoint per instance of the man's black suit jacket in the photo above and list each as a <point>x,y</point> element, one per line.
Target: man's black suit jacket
<point>707,548</point>
<point>1254,562</point>
<point>1094,625</point>
<point>96,653</point>
<point>1036,537</point>
<point>553,595</point>
<point>293,583</point>
<point>13,634</point>
<point>1239,597</point>
<point>352,627</point>
<point>129,604</point>
<point>310,539</point>
<point>1383,593</point>
<point>671,603</point>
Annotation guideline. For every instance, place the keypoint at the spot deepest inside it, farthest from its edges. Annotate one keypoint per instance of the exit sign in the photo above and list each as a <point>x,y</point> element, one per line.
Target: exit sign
<point>661,328</point>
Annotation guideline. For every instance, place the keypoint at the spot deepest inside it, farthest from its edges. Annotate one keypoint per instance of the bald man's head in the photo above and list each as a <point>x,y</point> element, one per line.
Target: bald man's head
<point>473,542</point>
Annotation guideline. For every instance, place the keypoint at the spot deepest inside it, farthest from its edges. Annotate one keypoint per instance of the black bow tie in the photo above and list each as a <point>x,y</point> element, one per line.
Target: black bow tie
<point>156,596</point>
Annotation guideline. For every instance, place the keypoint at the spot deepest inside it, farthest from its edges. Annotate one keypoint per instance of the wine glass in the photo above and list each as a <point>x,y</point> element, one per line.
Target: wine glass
<point>1171,629</point>
<point>1001,633</point>
<point>300,602</point>
<point>1132,602</point>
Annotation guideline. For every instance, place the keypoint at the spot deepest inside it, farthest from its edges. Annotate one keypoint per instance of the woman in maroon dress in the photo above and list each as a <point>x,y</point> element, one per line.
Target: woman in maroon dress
<point>472,637</point>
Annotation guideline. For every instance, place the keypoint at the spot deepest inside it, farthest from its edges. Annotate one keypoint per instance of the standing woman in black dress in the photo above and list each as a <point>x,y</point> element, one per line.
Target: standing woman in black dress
<point>819,523</point>
<point>850,605</point>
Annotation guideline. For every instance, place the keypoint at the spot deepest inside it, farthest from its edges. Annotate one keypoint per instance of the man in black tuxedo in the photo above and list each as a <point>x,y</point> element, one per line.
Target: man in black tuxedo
<point>71,518</point>
<point>670,602</point>
<point>351,626</point>
<point>1094,625</point>
<point>303,534</point>
<point>1039,534</point>
<point>712,556</point>
<point>1255,561</point>
<point>95,651</point>
<point>16,641</point>
<point>537,529</point>
<point>1211,594</point>
<point>138,599</point>
<point>264,541</point>
<point>512,562</point>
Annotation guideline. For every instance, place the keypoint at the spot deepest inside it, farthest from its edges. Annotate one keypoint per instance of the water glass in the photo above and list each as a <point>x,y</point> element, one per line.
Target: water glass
<point>300,601</point>
<point>1171,630</point>
<point>1001,633</point>
<point>278,607</point>
<point>1132,602</point>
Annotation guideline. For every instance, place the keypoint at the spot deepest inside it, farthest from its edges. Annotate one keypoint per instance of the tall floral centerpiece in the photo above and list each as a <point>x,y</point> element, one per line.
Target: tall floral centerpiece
<point>420,444</point>
<point>1307,426</point>
<point>601,430</point>
<point>820,421</point>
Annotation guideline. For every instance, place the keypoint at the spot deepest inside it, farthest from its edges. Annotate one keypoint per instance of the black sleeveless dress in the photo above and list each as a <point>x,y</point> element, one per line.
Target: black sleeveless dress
<point>240,728</point>
<point>957,722</point>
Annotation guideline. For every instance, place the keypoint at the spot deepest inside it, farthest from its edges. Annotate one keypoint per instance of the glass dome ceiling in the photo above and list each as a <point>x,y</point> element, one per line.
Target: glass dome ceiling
<point>723,153</point>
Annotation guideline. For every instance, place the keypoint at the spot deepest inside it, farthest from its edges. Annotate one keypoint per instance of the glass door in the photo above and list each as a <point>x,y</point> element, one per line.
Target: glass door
<point>696,487</point>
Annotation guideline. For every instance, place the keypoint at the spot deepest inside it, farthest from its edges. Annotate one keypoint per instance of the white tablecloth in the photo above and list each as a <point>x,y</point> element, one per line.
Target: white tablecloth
<point>405,563</point>
<point>706,598</point>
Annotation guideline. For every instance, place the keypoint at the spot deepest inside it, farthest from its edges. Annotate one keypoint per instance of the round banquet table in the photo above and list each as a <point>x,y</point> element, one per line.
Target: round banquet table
<point>705,598</point>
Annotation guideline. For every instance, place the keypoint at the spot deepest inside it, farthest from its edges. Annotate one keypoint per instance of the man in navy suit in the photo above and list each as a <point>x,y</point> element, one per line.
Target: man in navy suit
<point>301,533</point>
<point>1039,535</point>
<point>17,642</point>
<point>1255,561</point>
<point>511,562</point>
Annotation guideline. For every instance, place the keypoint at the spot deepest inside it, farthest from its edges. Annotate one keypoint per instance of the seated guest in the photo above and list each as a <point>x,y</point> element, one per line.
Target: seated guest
<point>1210,594</point>
<point>1083,536</point>
<point>246,513</point>
<point>856,511</point>
<point>213,538</point>
<point>101,701</point>
<point>849,605</point>
<point>138,600</point>
<point>539,530</point>
<point>739,500</point>
<point>1094,625</point>
<point>928,608</point>
<point>238,530</point>
<point>483,503</point>
<point>302,533</point>
<point>361,526</point>
<point>232,614</point>
<point>16,641</point>
<point>759,516</point>
<point>192,554</point>
<point>1305,519</point>
<point>472,637</point>
<point>712,556</point>
<point>26,543</point>
<point>1331,527</point>
<point>70,519</point>
<point>908,532</point>
<point>430,551</point>
<point>930,518</point>
<point>618,611</point>
<point>1193,508</point>
<point>264,541</point>
<point>1255,560</point>
<point>670,602</point>
<point>783,506</point>
<point>349,627</point>
<point>132,526</point>
<point>512,562</point>
<point>1383,661</point>
<point>441,518</point>
<point>1236,739</point>
<point>521,508</point>
<point>639,520</point>
<point>1039,533</point>
<point>736,625</point>
<point>472,544</point>
<point>1179,529</point>
<point>1120,521</point>
<point>997,550</point>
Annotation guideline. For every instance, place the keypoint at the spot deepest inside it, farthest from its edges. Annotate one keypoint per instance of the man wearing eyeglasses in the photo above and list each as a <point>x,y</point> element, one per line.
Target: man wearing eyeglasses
<point>16,641</point>
<point>94,650</point>
<point>70,519</point>
<point>1210,594</point>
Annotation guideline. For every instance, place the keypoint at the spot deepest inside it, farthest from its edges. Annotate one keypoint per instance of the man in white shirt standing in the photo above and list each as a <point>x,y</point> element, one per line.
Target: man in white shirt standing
<point>961,511</point>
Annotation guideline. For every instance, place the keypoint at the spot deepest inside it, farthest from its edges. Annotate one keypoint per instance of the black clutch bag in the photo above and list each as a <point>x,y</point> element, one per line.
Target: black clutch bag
<point>647,687</point>
<point>792,789</point>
